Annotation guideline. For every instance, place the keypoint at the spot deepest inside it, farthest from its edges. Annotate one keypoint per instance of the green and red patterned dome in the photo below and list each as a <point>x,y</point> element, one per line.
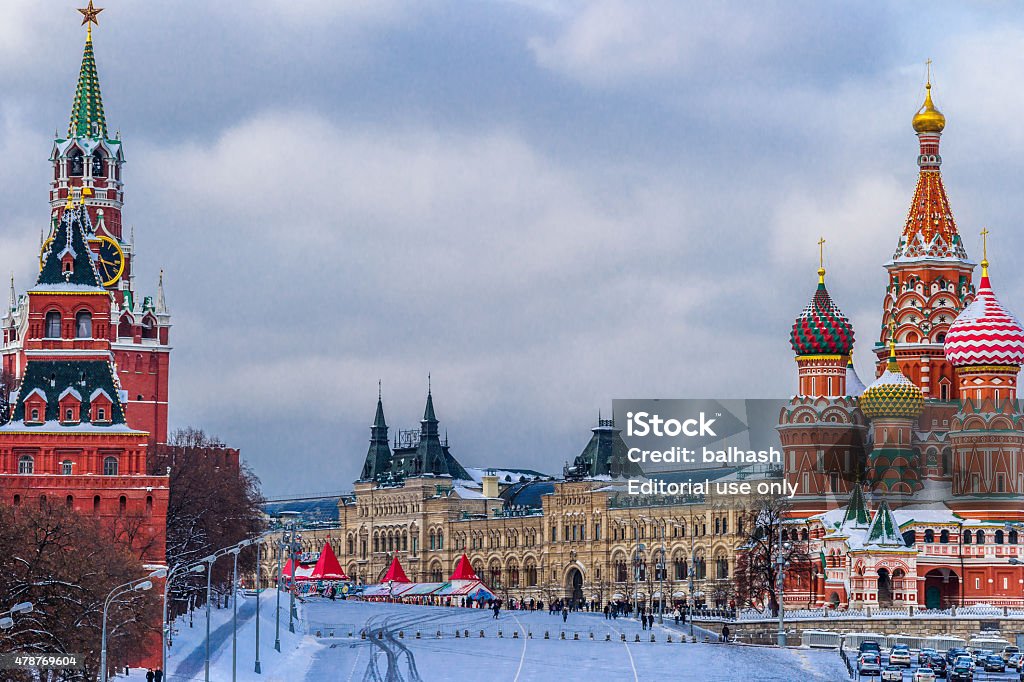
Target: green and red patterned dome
<point>822,328</point>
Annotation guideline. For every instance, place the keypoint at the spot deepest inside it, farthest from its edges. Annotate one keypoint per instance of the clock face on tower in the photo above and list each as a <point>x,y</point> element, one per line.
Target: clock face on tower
<point>109,261</point>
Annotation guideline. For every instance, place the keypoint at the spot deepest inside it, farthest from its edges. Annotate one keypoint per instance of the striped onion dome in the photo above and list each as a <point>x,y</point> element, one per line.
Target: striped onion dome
<point>822,328</point>
<point>892,394</point>
<point>985,333</point>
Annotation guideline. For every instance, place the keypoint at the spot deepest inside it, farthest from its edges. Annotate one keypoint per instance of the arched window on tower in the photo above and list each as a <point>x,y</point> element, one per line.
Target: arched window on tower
<point>124,327</point>
<point>110,466</point>
<point>98,169</point>
<point>53,325</point>
<point>76,163</point>
<point>83,325</point>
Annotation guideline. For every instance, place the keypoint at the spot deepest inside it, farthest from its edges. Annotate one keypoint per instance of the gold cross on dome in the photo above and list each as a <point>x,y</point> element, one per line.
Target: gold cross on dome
<point>984,243</point>
<point>821,252</point>
<point>90,14</point>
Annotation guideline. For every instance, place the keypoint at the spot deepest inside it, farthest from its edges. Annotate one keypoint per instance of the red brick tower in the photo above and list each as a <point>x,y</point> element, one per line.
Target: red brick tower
<point>68,441</point>
<point>88,163</point>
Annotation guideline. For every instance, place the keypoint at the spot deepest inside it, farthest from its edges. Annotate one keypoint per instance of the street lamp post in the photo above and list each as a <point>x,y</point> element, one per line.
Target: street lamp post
<point>294,548</point>
<point>209,584</point>
<point>259,593</point>
<point>780,568</point>
<point>287,518</point>
<point>137,585</point>
<point>166,628</point>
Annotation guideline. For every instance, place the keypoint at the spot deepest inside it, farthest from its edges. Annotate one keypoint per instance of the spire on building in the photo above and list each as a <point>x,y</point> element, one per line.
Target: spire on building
<point>856,515</point>
<point>930,230</point>
<point>12,302</point>
<point>428,411</point>
<point>378,457</point>
<point>161,301</point>
<point>884,531</point>
<point>87,118</point>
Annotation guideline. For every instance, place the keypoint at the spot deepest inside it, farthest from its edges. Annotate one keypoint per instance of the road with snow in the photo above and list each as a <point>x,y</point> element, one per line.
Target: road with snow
<point>512,648</point>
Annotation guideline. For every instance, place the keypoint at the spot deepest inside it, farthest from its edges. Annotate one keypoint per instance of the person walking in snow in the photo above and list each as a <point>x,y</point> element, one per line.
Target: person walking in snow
<point>565,615</point>
<point>158,675</point>
<point>725,633</point>
<point>149,676</point>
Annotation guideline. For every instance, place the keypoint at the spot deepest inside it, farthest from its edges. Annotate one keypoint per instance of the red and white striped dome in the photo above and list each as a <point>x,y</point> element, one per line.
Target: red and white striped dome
<point>985,333</point>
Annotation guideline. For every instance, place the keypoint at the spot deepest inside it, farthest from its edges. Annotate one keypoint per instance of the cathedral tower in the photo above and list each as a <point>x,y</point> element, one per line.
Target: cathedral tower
<point>986,345</point>
<point>821,429</point>
<point>929,279</point>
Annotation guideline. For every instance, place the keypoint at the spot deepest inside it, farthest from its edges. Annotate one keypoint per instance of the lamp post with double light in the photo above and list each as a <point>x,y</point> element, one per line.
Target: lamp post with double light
<point>137,585</point>
<point>7,617</point>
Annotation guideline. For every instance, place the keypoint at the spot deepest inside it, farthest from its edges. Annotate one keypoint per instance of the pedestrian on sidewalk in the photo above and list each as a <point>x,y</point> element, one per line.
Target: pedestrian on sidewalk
<point>149,676</point>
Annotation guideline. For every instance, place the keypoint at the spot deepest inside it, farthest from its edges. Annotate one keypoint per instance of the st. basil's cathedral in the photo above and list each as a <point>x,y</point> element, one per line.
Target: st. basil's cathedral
<point>911,490</point>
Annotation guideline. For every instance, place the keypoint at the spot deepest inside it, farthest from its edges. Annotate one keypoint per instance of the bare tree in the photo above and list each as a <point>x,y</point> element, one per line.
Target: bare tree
<point>66,565</point>
<point>757,577</point>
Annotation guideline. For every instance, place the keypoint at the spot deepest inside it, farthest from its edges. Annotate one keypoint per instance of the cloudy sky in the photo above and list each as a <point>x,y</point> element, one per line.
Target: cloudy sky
<point>546,205</point>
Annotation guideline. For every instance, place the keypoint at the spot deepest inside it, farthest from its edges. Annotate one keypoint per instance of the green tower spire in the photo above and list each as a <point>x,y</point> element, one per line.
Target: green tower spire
<point>87,119</point>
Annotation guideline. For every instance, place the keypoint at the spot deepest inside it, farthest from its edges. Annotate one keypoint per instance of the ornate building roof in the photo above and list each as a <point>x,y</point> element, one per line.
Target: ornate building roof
<point>884,531</point>
<point>69,243</point>
<point>822,328</point>
<point>604,455</point>
<point>892,394</point>
<point>985,333</point>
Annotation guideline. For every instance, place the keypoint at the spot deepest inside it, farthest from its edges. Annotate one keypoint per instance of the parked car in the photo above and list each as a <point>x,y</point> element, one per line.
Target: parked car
<point>923,675</point>
<point>925,655</point>
<point>869,664</point>
<point>939,665</point>
<point>961,672</point>
<point>994,663</point>
<point>892,673</point>
<point>1008,651</point>
<point>900,655</point>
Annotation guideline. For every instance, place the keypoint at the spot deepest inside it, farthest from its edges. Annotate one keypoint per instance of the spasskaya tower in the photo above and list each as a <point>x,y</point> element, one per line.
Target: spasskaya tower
<point>87,166</point>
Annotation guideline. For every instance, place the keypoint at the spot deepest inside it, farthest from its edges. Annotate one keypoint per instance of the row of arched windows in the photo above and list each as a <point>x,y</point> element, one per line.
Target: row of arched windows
<point>69,502</point>
<point>83,325</point>
<point>27,465</point>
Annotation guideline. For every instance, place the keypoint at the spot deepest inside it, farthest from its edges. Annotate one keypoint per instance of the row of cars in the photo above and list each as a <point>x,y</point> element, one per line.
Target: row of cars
<point>956,665</point>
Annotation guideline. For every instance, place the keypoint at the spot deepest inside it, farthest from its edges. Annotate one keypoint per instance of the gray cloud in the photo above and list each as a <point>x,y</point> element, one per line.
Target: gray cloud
<point>545,205</point>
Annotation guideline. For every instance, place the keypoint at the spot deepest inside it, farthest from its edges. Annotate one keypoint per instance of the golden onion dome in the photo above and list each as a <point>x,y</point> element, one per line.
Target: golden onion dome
<point>892,394</point>
<point>928,119</point>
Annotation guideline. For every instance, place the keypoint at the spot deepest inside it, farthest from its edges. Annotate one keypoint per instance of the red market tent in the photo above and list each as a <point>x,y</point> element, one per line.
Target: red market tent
<point>395,573</point>
<point>301,572</point>
<point>463,570</point>
<point>327,566</point>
